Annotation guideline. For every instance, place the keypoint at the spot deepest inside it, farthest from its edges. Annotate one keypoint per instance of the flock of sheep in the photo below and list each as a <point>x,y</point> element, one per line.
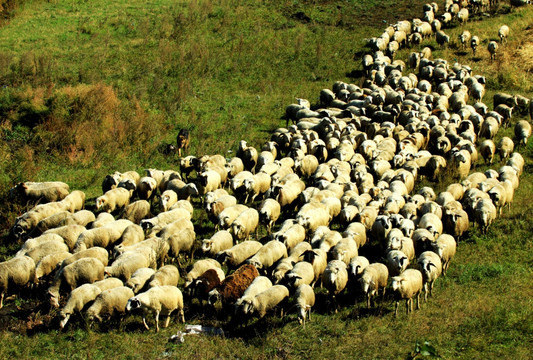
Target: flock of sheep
<point>337,184</point>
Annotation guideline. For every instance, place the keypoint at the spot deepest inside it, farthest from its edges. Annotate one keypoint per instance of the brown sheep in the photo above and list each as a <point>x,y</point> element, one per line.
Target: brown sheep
<point>233,286</point>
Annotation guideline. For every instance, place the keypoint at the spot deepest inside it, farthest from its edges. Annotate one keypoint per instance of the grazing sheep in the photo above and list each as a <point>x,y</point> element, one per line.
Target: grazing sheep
<point>49,264</point>
<point>229,214</point>
<point>69,234</point>
<point>129,261</point>
<point>258,285</point>
<point>147,187</point>
<point>17,271</point>
<point>165,218</point>
<point>45,248</point>
<point>113,199</point>
<point>266,300</point>
<point>183,190</point>
<point>345,250</point>
<point>335,278</point>
<point>474,43</point>
<point>301,273</point>
<point>484,214</point>
<point>292,236</point>
<point>374,277</point>
<point>84,270</point>
<point>78,298</point>
<point>29,220</point>
<point>200,267</point>
<point>456,223</point>
<point>203,284</point>
<point>180,237</point>
<point>487,150</point>
<point>166,275</point>
<point>32,243</point>
<point>103,236</point>
<point>111,302</point>
<point>139,278</point>
<point>464,38</point>
<point>406,286</point>
<point>431,268</point>
<point>161,300</point>
<point>39,192</point>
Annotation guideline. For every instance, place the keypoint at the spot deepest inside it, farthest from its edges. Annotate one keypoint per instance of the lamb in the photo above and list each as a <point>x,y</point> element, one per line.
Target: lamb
<point>431,268</point>
<point>167,199</point>
<point>442,38</point>
<point>492,48</point>
<point>301,273</point>
<point>84,270</point>
<point>245,223</point>
<point>220,241</point>
<point>109,303</point>
<point>503,33</point>
<point>139,278</point>
<point>103,236</point>
<point>304,299</point>
<point>237,254</point>
<point>200,267</point>
<point>113,199</point>
<point>233,286</point>
<point>374,277</point>
<point>49,264</point>
<point>161,300</point>
<point>39,192</point>
<point>487,150</point>
<point>267,255</point>
<point>17,271</point>
<point>464,38</point>
<point>234,166</point>
<point>166,275</point>
<point>335,278</point>
<point>248,154</point>
<point>269,212</point>
<point>406,286</point>
<point>267,300</point>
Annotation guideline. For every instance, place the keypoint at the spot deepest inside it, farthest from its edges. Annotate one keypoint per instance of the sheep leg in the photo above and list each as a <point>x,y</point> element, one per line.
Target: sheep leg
<point>157,321</point>
<point>396,308</point>
<point>167,320</point>
<point>418,301</point>
<point>181,316</point>
<point>1,300</point>
<point>145,324</point>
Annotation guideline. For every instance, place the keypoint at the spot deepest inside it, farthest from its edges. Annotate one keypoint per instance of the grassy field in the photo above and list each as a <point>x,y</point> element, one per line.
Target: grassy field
<point>93,87</point>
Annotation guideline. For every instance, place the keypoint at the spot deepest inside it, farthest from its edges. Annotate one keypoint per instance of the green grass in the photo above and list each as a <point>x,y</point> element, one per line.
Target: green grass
<point>227,70</point>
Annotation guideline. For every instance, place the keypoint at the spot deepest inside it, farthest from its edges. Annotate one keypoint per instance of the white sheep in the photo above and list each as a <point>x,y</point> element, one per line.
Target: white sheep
<point>103,236</point>
<point>237,254</point>
<point>304,299</point>
<point>165,218</point>
<point>220,241</point>
<point>397,262</point>
<point>406,286</point>
<point>94,252</point>
<point>503,33</point>
<point>522,132</point>
<point>109,303</point>
<point>258,285</point>
<point>84,270</point>
<point>128,262</point>
<point>292,236</point>
<point>345,250</point>
<point>301,273</point>
<point>166,275</point>
<point>113,199</point>
<point>357,266</point>
<point>266,300</point>
<point>492,47</point>
<point>445,246</point>
<point>268,254</point>
<point>40,192</point>
<point>17,271</point>
<point>245,223</point>
<point>229,214</point>
<point>269,213</point>
<point>484,214</point>
<point>49,264</point>
<point>334,279</point>
<point>139,278</point>
<point>147,187</point>
<point>431,268</point>
<point>200,267</point>
<point>161,300</point>
<point>45,248</point>
<point>373,278</point>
